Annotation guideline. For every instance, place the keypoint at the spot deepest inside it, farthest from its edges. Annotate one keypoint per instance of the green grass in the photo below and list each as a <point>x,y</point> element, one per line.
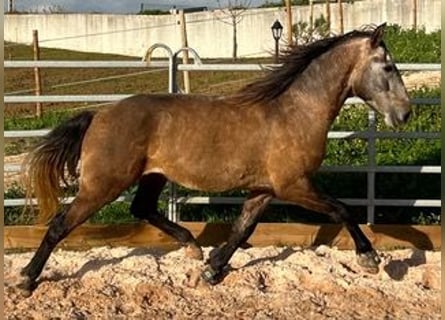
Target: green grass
<point>114,213</point>
<point>49,120</point>
<point>410,45</point>
<point>57,81</point>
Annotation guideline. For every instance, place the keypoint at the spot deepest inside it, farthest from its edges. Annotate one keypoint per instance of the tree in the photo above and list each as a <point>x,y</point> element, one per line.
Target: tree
<point>303,33</point>
<point>234,11</point>
<point>274,4</point>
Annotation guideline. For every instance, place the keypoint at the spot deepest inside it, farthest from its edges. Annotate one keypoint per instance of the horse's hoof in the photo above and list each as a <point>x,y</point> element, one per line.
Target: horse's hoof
<point>211,276</point>
<point>194,251</point>
<point>369,261</point>
<point>26,286</point>
<point>212,254</point>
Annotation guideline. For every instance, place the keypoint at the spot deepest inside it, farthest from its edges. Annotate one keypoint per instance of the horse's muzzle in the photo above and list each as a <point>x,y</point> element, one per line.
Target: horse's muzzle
<point>406,116</point>
<point>396,119</point>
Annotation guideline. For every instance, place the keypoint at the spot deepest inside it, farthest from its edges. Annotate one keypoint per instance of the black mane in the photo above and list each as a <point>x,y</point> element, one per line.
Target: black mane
<point>294,61</point>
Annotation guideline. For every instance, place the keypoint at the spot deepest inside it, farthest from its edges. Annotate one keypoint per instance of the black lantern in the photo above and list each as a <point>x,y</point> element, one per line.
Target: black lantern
<point>277,30</point>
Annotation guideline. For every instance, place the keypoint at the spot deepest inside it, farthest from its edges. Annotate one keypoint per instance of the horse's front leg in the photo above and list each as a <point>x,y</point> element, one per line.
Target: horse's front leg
<point>306,196</point>
<point>241,231</point>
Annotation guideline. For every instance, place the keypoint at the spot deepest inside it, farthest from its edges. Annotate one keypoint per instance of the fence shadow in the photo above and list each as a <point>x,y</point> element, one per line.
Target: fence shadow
<point>396,269</point>
<point>419,240</point>
<point>214,234</point>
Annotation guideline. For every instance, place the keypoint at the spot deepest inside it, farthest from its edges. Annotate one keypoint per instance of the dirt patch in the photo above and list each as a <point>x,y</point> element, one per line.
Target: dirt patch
<point>265,283</point>
<point>417,80</point>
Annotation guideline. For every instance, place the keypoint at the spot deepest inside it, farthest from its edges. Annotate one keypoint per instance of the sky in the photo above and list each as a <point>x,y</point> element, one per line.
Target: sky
<point>115,6</point>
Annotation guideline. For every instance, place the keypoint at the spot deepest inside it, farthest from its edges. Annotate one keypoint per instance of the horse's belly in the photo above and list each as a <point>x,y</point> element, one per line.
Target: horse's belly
<point>213,179</point>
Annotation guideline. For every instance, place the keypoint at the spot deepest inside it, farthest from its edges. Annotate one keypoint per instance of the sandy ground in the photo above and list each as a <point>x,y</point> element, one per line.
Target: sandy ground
<point>264,283</point>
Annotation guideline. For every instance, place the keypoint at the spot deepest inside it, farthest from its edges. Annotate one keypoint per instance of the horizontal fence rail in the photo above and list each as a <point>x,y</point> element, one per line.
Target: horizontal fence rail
<point>371,134</point>
<point>382,169</point>
<point>331,135</point>
<point>117,97</point>
<point>240,200</point>
<point>57,64</point>
<point>180,67</point>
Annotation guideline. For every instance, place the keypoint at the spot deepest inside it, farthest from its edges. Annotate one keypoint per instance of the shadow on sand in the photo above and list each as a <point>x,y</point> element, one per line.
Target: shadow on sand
<point>216,234</point>
<point>396,269</point>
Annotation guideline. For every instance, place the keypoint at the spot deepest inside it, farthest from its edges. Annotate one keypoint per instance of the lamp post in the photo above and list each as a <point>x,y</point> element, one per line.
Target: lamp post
<point>277,30</point>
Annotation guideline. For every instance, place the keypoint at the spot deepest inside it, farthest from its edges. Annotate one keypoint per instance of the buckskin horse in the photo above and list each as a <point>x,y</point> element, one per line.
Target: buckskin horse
<point>269,138</point>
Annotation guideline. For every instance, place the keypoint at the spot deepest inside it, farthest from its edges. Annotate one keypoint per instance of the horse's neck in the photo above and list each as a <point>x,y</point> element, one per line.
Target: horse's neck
<point>323,87</point>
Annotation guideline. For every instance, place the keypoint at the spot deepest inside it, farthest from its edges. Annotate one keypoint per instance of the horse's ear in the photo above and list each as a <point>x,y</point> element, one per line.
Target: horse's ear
<point>377,35</point>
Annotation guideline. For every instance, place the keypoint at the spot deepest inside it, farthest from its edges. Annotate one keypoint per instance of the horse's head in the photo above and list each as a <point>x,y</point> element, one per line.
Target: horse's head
<point>377,81</point>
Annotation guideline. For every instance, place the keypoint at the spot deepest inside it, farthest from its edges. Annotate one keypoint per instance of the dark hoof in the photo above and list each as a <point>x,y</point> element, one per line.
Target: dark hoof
<point>211,276</point>
<point>212,254</point>
<point>369,261</point>
<point>26,286</point>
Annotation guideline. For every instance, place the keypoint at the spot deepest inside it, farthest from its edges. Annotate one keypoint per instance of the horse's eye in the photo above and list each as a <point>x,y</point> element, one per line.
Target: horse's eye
<point>388,68</point>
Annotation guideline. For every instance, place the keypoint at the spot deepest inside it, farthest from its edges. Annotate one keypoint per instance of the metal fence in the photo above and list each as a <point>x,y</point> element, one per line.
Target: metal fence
<point>370,134</point>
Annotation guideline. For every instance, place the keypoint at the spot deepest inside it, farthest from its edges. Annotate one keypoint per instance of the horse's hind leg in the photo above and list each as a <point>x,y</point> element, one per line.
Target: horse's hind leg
<point>144,206</point>
<point>241,231</point>
<point>86,203</point>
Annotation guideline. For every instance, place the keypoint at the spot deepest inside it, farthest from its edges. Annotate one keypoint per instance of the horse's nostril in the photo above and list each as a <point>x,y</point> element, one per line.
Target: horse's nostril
<point>406,116</point>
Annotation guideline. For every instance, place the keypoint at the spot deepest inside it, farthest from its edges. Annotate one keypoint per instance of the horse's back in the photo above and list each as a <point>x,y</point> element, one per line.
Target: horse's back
<point>198,141</point>
<point>208,144</point>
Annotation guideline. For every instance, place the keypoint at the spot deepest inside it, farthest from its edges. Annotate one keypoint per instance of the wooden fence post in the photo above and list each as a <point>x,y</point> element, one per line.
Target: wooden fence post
<point>185,54</point>
<point>289,22</point>
<point>328,14</point>
<point>415,14</point>
<point>311,14</point>
<point>38,87</point>
<point>340,11</point>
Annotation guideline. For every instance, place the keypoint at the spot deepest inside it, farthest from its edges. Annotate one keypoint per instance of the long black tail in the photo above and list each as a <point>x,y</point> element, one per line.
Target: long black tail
<point>44,167</point>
